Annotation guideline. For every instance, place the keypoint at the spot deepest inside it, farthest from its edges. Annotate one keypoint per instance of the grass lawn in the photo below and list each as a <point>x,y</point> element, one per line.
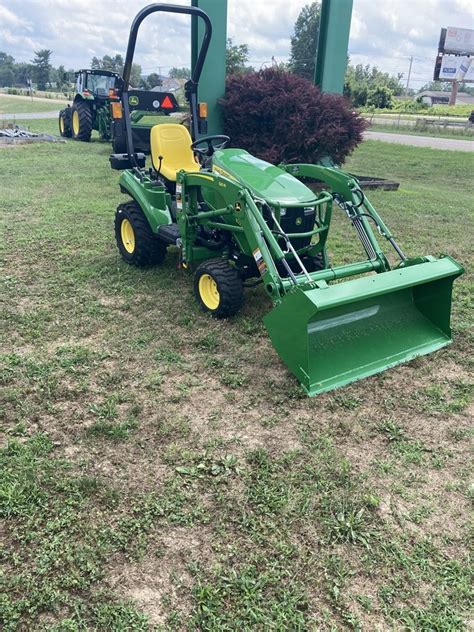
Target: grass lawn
<point>12,105</point>
<point>162,470</point>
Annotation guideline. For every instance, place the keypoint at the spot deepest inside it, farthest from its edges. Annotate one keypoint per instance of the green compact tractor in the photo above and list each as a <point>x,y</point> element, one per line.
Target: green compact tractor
<point>95,90</point>
<point>238,221</point>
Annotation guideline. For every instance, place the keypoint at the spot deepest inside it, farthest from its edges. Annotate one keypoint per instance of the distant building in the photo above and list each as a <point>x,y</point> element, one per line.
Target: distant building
<point>169,85</point>
<point>438,97</point>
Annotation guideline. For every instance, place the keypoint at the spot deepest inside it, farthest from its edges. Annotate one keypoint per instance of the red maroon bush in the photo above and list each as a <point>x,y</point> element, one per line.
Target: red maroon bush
<point>280,117</point>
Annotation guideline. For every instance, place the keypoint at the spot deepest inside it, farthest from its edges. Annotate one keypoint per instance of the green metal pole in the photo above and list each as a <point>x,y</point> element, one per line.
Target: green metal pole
<point>331,56</point>
<point>212,82</point>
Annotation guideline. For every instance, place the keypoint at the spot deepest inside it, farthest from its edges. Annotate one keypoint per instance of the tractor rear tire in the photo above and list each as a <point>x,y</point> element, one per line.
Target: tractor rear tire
<point>218,288</point>
<point>136,242</point>
<point>81,121</point>
<point>64,125</point>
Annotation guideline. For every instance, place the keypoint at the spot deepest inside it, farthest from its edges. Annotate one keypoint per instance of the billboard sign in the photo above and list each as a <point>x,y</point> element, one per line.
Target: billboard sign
<point>456,68</point>
<point>459,41</point>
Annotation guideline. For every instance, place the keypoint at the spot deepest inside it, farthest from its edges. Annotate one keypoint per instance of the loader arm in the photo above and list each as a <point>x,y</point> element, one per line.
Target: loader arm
<point>329,334</point>
<point>241,216</point>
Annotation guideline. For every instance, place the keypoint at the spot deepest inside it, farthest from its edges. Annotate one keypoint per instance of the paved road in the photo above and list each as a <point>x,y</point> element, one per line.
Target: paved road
<point>23,98</point>
<point>451,144</point>
<point>29,115</point>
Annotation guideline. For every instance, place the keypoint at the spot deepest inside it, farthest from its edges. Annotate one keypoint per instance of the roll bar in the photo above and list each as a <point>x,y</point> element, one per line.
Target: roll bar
<point>191,85</point>
<point>166,8</point>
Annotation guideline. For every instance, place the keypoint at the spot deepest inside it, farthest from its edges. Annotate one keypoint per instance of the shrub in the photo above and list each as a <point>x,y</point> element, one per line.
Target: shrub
<point>278,117</point>
<point>414,107</point>
<point>380,97</point>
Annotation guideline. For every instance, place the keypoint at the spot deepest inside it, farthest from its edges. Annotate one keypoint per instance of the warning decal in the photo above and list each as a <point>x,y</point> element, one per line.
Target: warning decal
<point>179,197</point>
<point>257,255</point>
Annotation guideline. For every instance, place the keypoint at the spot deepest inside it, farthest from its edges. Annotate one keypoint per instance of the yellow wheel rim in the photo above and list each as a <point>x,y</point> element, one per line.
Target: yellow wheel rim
<point>75,122</point>
<point>208,292</point>
<point>128,236</point>
<point>61,125</point>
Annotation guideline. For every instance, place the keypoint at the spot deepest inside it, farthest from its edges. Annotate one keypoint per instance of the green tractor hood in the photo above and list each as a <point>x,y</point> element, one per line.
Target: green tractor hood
<point>264,180</point>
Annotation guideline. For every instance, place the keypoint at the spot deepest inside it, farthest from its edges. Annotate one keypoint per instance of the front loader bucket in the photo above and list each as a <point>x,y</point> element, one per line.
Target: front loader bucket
<point>335,335</point>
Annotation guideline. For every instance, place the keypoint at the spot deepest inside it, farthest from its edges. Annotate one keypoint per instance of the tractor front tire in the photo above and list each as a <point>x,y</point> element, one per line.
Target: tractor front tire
<point>81,121</point>
<point>64,125</point>
<point>218,288</point>
<point>314,264</point>
<point>136,242</point>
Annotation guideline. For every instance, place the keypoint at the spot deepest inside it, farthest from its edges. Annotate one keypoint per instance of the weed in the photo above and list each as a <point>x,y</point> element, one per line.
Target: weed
<point>392,431</point>
<point>206,465</point>
<point>167,356</point>
<point>107,410</point>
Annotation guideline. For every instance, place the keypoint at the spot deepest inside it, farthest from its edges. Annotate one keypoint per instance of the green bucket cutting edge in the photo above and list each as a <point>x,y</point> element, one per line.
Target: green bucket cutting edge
<point>337,334</point>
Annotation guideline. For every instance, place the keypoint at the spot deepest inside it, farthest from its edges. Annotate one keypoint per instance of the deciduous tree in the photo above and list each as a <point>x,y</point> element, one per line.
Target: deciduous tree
<point>236,58</point>
<point>304,41</point>
<point>180,73</point>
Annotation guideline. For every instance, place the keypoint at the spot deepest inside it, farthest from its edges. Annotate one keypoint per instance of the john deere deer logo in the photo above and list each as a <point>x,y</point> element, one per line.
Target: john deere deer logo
<point>133,100</point>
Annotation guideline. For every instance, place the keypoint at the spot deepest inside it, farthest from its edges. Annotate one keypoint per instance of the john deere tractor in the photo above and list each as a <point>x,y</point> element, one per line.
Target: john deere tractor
<point>97,106</point>
<point>95,91</point>
<point>237,220</point>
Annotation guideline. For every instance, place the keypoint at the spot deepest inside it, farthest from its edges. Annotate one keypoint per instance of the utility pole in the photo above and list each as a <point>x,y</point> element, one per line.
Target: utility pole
<point>408,78</point>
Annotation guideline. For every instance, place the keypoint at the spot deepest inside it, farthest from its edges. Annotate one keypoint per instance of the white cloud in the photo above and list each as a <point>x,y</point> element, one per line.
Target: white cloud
<point>385,33</point>
<point>10,19</point>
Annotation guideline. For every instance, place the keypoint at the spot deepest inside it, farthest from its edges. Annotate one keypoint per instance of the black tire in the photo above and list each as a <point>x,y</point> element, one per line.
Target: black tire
<point>63,123</point>
<point>119,146</point>
<point>84,114</point>
<point>314,264</point>
<point>228,292</point>
<point>144,249</point>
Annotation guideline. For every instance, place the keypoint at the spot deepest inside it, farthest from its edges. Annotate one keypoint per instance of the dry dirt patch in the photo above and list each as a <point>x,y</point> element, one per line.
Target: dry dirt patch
<point>163,572</point>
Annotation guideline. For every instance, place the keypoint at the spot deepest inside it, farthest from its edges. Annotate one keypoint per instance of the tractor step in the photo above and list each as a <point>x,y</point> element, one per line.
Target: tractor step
<point>122,161</point>
<point>169,233</point>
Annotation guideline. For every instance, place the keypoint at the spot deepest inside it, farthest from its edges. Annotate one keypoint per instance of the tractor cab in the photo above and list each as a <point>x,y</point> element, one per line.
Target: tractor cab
<point>100,84</point>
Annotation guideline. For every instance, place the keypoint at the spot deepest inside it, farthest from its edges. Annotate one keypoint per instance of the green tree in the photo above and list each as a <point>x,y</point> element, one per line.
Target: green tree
<point>180,73</point>
<point>61,77</point>
<point>304,41</point>
<point>362,80</point>
<point>23,72</point>
<point>135,76</point>
<point>42,67</point>
<point>236,58</point>
<point>7,74</point>
<point>380,97</point>
<point>114,64</point>
<point>6,60</point>
<point>7,77</point>
<point>153,80</point>
<point>441,86</point>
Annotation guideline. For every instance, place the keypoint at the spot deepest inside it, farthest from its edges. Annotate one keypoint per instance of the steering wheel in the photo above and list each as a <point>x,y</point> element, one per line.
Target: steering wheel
<point>218,141</point>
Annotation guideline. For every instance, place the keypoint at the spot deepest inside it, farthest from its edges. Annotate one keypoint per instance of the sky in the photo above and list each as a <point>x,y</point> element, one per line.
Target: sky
<point>384,33</point>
